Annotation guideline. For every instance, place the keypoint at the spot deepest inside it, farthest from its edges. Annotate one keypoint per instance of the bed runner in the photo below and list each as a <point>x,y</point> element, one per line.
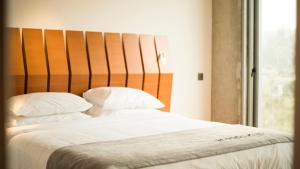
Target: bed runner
<point>163,149</point>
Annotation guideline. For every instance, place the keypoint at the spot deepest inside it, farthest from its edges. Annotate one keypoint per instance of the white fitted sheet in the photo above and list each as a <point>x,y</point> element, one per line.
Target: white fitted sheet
<point>30,146</point>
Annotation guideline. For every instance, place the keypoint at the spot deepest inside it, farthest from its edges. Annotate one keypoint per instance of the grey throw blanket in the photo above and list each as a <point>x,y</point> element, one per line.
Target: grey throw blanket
<point>163,148</point>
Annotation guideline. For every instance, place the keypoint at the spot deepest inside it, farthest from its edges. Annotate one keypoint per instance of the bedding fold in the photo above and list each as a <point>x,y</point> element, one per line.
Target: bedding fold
<point>161,149</point>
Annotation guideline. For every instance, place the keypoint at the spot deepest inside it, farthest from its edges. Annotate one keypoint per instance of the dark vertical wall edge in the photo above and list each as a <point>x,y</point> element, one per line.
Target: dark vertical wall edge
<point>297,111</point>
<point>2,86</point>
<point>255,70</point>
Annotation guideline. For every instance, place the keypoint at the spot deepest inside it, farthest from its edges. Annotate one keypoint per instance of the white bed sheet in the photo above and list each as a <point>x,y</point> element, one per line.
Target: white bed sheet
<point>30,146</point>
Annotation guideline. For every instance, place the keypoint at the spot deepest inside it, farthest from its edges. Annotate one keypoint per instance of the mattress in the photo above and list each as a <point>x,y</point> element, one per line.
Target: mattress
<point>31,146</point>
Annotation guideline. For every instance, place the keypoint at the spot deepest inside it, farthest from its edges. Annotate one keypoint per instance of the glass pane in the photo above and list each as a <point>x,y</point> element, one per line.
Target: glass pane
<point>276,64</point>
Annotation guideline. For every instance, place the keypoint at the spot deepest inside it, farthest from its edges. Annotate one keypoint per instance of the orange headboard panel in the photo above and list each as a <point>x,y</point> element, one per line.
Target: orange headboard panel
<point>150,64</point>
<point>97,58</point>
<point>16,70</point>
<point>79,69</point>
<point>166,75</point>
<point>116,60</point>
<point>37,78</point>
<point>57,60</point>
<point>81,60</point>
<point>133,61</point>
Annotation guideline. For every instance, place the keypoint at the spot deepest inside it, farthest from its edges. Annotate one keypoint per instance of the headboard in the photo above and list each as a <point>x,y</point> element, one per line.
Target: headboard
<point>75,61</point>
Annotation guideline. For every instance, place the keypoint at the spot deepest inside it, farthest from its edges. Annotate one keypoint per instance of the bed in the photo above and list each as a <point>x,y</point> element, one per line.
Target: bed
<point>31,146</point>
<point>128,137</point>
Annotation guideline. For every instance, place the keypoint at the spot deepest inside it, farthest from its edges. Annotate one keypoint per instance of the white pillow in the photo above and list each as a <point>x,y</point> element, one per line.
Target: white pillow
<point>112,98</point>
<point>46,103</point>
<point>21,120</point>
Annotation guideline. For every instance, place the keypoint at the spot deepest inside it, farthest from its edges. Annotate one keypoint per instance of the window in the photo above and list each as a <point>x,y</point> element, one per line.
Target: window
<point>276,76</point>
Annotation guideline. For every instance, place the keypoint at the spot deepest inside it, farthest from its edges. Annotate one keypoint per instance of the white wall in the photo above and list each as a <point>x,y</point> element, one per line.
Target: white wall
<point>188,24</point>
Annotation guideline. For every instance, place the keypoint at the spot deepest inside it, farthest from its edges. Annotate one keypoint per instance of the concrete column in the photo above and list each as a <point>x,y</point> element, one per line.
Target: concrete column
<point>226,60</point>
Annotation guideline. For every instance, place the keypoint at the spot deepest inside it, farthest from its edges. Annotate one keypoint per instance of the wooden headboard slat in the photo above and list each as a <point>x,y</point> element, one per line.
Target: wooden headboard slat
<point>57,60</point>
<point>16,70</point>
<point>166,75</point>
<point>78,61</point>
<point>116,60</point>
<point>133,61</point>
<point>150,64</point>
<point>97,58</point>
<point>37,77</point>
<point>162,47</point>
